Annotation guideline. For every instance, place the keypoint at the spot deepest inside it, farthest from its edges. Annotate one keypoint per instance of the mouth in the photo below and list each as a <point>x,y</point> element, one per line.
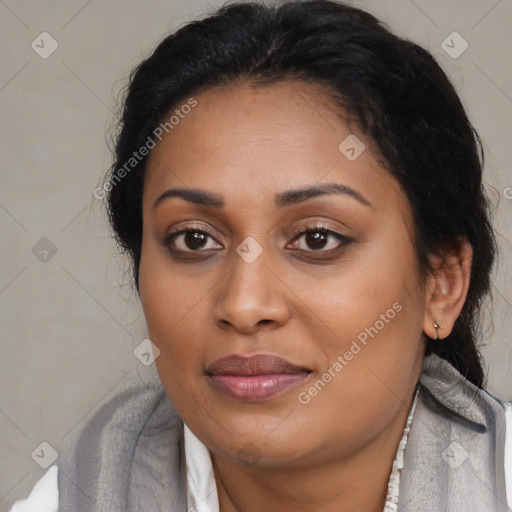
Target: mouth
<point>255,378</point>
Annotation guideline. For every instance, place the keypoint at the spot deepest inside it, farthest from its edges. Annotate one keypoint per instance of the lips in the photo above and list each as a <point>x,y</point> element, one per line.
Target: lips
<point>256,377</point>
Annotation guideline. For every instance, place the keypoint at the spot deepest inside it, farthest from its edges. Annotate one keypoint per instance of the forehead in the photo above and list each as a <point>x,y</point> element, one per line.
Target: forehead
<point>259,140</point>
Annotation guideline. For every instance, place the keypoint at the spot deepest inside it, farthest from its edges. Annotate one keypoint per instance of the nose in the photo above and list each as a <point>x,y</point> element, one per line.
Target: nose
<point>251,297</point>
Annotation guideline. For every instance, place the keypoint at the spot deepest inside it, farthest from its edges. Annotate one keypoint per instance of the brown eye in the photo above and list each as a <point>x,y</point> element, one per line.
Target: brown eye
<point>316,239</point>
<point>189,240</point>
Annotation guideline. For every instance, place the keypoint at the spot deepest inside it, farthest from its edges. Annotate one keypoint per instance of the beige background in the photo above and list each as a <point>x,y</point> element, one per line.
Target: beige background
<point>70,324</point>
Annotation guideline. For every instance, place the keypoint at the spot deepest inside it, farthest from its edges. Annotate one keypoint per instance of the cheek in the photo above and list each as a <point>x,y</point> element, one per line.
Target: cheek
<point>369,374</point>
<point>171,311</point>
<point>165,297</point>
<point>372,283</point>
<point>374,337</point>
<point>168,305</point>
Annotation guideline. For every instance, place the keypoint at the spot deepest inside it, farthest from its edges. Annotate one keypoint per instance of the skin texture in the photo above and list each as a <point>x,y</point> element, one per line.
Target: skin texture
<point>307,306</point>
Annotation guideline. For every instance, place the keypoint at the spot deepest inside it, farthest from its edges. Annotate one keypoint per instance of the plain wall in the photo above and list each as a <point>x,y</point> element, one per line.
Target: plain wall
<point>69,325</point>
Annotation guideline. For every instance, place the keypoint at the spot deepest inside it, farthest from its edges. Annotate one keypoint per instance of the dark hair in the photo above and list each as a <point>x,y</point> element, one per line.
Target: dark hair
<point>395,91</point>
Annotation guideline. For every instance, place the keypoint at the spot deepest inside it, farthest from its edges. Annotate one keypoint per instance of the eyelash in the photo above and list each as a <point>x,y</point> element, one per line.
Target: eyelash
<point>344,240</point>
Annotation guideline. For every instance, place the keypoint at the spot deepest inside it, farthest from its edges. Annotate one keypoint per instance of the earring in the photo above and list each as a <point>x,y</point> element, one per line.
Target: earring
<point>437,327</point>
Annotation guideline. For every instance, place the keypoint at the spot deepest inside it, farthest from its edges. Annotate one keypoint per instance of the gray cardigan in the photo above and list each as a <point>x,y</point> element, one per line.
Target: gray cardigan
<point>130,455</point>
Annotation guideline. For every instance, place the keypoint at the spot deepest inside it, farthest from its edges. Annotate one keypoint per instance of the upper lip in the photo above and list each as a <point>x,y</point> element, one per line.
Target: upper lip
<point>259,364</point>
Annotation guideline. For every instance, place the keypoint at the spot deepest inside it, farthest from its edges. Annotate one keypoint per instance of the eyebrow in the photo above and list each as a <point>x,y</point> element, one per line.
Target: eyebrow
<point>282,199</point>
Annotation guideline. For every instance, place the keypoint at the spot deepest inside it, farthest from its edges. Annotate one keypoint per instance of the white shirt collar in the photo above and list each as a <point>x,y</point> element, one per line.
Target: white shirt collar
<point>201,486</point>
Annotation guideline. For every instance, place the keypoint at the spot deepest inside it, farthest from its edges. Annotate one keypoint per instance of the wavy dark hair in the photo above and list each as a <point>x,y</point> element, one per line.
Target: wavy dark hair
<point>393,89</point>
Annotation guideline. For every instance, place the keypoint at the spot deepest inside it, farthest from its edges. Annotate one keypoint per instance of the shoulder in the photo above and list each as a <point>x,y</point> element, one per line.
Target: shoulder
<point>508,451</point>
<point>449,392</point>
<point>44,496</point>
<point>128,452</point>
<point>459,442</point>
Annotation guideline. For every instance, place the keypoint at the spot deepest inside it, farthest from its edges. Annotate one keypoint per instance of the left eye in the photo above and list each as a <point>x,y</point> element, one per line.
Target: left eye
<point>320,239</point>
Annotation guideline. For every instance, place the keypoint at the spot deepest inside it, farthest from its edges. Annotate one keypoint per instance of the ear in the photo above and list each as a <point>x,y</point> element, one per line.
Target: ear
<point>447,288</point>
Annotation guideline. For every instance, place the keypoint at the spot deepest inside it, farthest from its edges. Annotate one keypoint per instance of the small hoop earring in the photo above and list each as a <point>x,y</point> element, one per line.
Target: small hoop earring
<point>437,327</point>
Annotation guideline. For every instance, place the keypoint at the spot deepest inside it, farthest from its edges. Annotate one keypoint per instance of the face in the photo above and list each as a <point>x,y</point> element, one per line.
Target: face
<point>322,330</point>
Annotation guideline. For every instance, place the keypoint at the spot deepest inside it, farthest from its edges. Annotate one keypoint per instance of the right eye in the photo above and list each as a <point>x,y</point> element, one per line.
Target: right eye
<point>189,240</point>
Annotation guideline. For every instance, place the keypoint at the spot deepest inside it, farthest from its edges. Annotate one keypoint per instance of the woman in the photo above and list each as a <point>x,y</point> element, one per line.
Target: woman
<point>300,194</point>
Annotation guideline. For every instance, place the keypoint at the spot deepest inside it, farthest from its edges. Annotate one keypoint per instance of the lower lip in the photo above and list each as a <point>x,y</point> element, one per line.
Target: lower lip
<point>253,388</point>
